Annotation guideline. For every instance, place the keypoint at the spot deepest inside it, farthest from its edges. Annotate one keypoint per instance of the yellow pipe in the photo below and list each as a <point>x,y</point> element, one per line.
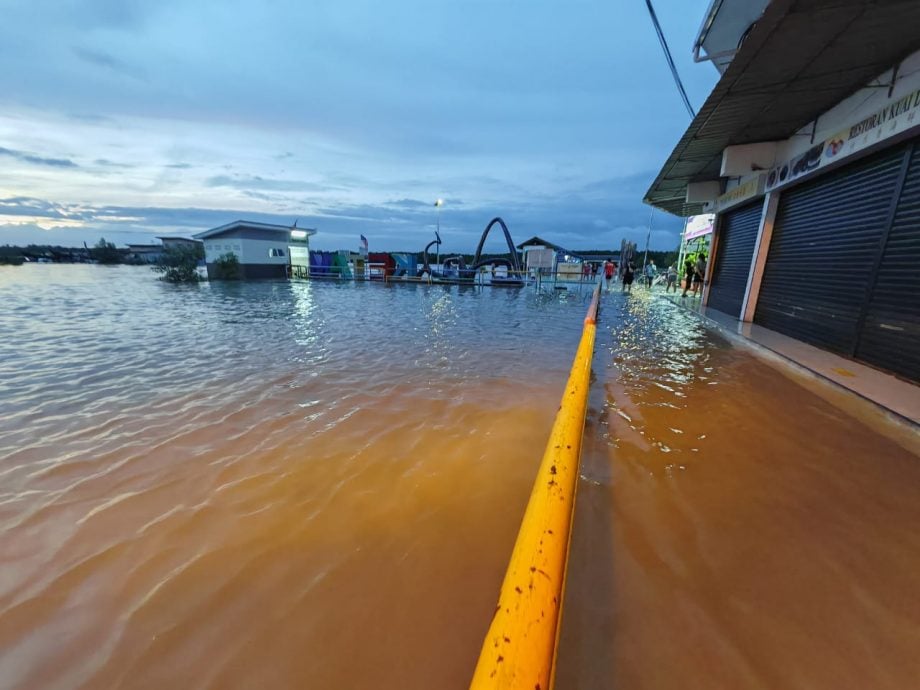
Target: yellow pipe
<point>519,651</point>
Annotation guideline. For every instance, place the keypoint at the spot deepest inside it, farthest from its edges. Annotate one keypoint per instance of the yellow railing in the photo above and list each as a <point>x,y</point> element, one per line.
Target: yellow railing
<point>519,651</point>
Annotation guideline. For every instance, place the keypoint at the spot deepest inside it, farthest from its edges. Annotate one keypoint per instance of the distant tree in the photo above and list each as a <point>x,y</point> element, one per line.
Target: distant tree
<point>227,267</point>
<point>179,264</point>
<point>106,252</point>
<point>11,256</point>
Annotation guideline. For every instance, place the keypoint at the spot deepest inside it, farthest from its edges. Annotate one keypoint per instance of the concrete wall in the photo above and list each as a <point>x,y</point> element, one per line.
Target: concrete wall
<point>254,271</point>
<point>249,250</point>
<point>220,245</point>
<point>259,251</point>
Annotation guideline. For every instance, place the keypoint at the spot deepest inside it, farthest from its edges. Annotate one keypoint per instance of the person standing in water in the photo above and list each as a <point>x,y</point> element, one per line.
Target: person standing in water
<point>651,271</point>
<point>608,273</point>
<point>699,272</point>
<point>688,275</point>
<point>672,278</point>
<point>628,274</point>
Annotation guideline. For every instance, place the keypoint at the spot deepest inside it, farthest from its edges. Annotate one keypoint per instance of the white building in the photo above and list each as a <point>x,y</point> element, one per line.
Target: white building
<point>263,250</point>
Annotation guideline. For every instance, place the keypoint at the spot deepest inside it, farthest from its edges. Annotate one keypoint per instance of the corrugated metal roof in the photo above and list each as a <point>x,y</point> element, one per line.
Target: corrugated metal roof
<point>800,59</point>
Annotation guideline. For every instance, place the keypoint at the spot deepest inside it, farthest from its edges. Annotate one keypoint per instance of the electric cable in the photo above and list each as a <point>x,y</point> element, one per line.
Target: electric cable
<point>667,55</point>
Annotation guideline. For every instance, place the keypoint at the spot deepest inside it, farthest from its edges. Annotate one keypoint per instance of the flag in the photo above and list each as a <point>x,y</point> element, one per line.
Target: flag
<point>364,242</point>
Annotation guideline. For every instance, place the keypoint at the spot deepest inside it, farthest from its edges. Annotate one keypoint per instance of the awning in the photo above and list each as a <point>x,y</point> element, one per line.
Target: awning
<point>800,59</point>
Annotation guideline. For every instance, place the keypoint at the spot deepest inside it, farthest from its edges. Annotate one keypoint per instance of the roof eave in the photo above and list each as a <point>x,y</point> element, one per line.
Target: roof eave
<point>768,91</point>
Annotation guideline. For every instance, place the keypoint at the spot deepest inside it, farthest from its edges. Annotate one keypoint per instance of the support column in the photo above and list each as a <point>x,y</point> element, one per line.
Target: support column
<point>710,260</point>
<point>759,261</point>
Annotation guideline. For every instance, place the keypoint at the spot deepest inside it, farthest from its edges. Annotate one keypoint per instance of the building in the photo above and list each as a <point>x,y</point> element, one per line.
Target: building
<point>808,152</point>
<point>263,250</point>
<point>537,253</point>
<point>175,241</point>
<point>144,253</point>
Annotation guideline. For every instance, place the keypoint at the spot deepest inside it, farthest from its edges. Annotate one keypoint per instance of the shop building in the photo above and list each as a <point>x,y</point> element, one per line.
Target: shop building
<point>808,152</point>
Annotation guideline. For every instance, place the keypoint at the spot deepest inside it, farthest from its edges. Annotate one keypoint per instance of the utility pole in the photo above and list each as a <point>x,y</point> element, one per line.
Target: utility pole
<point>683,246</point>
<point>648,237</point>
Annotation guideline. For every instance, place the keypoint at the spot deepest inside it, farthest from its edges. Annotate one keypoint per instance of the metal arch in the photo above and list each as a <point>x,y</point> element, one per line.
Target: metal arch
<point>425,264</point>
<point>515,264</point>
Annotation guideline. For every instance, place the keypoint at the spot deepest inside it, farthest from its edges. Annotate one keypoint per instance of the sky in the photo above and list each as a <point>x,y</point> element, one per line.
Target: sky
<point>131,119</point>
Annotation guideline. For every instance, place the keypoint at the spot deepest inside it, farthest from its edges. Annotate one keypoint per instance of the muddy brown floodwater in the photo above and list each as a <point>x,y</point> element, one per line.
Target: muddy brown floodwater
<point>317,486</point>
<point>734,529</point>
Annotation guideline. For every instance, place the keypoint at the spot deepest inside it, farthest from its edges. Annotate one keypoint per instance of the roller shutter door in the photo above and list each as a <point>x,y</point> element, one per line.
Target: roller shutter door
<point>734,251</point>
<point>826,240</point>
<point>890,334</point>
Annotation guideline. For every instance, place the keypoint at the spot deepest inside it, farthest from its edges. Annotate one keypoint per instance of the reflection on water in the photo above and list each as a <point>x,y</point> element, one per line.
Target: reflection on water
<point>318,485</point>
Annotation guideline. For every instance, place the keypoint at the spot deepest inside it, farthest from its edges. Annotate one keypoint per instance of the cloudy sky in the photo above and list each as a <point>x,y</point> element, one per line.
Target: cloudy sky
<point>134,118</point>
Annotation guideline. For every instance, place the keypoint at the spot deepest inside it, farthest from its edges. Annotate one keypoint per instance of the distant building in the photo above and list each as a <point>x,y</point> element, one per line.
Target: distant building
<point>174,241</point>
<point>144,253</point>
<point>263,250</point>
<point>539,254</point>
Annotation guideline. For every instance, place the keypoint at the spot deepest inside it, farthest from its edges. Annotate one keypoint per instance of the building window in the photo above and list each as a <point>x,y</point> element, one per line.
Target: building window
<point>227,247</point>
<point>276,252</point>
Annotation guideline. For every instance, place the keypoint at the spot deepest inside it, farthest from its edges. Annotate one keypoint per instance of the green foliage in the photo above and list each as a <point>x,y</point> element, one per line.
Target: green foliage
<point>105,252</point>
<point>662,259</point>
<point>179,264</point>
<point>11,256</point>
<point>227,267</point>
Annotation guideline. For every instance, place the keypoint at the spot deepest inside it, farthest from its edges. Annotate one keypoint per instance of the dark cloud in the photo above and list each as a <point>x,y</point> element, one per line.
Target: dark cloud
<point>106,163</point>
<point>92,118</point>
<point>37,160</point>
<point>409,203</point>
<point>255,182</point>
<point>107,61</point>
<point>179,166</point>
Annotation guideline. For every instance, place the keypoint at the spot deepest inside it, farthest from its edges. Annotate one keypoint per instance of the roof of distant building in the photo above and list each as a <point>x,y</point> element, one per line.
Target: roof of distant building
<point>229,227</point>
<point>537,241</point>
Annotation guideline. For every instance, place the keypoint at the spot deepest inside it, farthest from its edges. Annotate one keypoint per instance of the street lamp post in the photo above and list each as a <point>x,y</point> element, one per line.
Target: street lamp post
<point>438,204</point>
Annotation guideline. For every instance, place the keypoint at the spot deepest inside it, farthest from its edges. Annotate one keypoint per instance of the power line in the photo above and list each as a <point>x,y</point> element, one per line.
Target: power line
<point>667,55</point>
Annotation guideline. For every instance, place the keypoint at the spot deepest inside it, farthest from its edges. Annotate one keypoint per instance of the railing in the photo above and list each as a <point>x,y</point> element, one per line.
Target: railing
<point>541,278</point>
<point>519,651</point>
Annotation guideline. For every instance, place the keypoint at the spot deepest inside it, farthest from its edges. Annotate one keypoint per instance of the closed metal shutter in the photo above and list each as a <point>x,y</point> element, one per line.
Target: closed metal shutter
<point>890,336</point>
<point>734,251</point>
<point>825,245</point>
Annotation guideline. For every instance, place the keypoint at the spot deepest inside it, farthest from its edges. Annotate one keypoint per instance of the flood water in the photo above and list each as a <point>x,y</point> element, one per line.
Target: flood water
<point>314,485</point>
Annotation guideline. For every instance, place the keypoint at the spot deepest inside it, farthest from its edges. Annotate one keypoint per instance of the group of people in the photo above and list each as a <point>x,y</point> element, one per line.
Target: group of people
<point>694,270</point>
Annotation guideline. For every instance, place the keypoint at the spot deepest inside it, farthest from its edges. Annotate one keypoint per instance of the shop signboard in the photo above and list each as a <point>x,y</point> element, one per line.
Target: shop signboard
<point>888,122</point>
<point>743,192</point>
<point>697,226</point>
